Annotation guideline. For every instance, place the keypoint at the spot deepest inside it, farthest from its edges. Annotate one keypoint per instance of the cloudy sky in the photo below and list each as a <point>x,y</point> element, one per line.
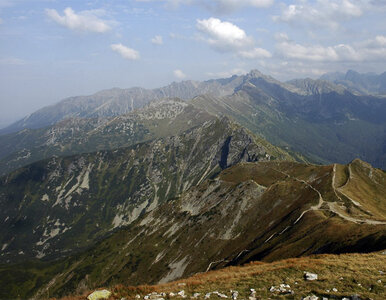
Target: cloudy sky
<point>54,49</point>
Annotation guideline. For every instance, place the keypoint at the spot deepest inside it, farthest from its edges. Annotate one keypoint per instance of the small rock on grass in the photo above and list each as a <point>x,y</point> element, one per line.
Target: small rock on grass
<point>310,276</point>
<point>103,294</point>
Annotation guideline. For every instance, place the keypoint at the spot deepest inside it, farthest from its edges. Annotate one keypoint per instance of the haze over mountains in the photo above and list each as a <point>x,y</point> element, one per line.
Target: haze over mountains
<point>323,121</point>
<point>369,83</point>
<point>134,186</point>
<point>117,101</point>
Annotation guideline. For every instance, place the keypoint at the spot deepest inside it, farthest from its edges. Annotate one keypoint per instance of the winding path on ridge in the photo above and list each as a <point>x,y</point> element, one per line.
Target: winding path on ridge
<point>331,205</point>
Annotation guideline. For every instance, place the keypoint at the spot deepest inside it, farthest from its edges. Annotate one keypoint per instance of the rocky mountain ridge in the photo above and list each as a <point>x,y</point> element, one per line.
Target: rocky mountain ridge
<point>63,204</point>
<point>116,101</point>
<point>324,121</point>
<point>73,136</point>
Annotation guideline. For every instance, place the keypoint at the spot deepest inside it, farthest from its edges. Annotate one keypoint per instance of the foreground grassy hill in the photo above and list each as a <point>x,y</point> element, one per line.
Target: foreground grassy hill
<point>339,276</point>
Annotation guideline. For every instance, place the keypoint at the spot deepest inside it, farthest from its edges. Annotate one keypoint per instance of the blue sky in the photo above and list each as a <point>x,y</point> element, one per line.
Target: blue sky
<point>51,49</point>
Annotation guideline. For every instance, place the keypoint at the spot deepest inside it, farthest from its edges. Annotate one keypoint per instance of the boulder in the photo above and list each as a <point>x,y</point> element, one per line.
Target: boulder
<point>102,294</point>
<point>310,276</point>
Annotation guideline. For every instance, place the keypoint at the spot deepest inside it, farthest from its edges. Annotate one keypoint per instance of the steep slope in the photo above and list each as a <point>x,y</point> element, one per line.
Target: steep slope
<point>364,84</point>
<point>72,136</point>
<point>251,211</point>
<point>325,124</point>
<point>61,205</point>
<point>117,101</point>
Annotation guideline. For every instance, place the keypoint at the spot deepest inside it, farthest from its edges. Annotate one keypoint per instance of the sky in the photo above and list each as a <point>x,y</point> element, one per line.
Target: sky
<point>53,49</point>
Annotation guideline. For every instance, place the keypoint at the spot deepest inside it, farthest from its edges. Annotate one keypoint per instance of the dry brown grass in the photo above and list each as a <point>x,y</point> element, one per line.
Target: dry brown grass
<point>349,274</point>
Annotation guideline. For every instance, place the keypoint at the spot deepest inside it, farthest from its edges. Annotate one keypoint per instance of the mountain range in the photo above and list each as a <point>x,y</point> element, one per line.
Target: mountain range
<point>323,121</point>
<point>77,135</point>
<point>369,83</point>
<point>135,186</point>
<point>116,101</point>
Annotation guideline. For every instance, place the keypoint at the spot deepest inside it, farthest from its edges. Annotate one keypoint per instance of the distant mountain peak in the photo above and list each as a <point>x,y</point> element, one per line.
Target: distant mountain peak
<point>359,83</point>
<point>255,73</point>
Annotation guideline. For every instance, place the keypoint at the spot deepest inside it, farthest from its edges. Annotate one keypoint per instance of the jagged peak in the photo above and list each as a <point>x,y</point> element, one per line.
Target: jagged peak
<point>255,73</point>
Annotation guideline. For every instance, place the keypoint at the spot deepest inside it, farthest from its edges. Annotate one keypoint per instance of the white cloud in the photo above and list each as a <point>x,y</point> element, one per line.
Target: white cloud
<point>373,49</point>
<point>179,74</point>
<point>1,21</point>
<point>322,12</point>
<point>255,53</point>
<point>86,21</point>
<point>125,52</point>
<point>223,36</point>
<point>157,40</point>
<point>370,50</point>
<point>227,37</point>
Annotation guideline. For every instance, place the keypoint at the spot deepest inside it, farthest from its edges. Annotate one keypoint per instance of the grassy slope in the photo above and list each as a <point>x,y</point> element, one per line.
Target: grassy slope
<point>348,273</point>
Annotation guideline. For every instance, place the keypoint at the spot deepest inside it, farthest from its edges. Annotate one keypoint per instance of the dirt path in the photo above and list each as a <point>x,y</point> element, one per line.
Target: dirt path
<point>332,206</point>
